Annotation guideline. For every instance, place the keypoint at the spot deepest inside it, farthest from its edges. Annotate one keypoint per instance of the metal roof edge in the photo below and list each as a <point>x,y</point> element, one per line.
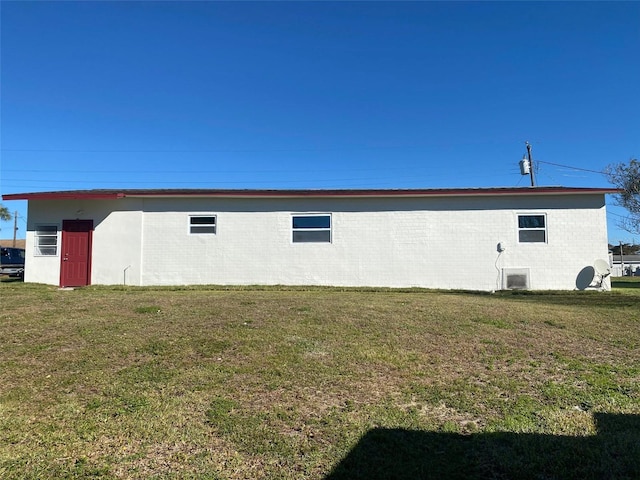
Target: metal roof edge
<point>283,193</point>
<point>64,195</point>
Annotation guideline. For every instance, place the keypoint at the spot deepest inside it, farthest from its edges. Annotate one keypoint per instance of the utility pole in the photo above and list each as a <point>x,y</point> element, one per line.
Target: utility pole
<point>531,174</point>
<point>15,227</point>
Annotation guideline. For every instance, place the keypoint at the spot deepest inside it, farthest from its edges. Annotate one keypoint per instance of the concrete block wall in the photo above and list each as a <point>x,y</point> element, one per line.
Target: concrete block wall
<point>432,242</point>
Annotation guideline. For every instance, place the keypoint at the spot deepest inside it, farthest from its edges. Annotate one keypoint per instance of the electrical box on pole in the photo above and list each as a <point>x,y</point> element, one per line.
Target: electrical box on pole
<point>526,165</point>
<point>531,169</point>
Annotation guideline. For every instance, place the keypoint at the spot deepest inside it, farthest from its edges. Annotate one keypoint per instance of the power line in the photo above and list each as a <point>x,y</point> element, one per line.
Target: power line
<point>154,170</point>
<point>233,150</point>
<point>240,150</point>
<point>572,168</point>
<point>353,174</point>
<point>412,168</point>
<point>617,215</point>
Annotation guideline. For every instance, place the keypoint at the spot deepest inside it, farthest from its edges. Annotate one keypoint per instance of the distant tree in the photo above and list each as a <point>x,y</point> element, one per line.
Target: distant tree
<point>627,249</point>
<point>4,213</point>
<point>626,177</point>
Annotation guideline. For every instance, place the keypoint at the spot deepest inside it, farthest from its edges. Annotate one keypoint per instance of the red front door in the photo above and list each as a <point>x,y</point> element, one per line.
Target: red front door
<point>75,267</point>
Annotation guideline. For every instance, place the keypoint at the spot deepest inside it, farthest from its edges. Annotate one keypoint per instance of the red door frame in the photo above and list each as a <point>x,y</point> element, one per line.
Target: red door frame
<point>72,231</point>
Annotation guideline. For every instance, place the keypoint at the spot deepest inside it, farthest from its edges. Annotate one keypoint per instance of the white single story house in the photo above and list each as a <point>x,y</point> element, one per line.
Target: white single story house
<point>474,238</point>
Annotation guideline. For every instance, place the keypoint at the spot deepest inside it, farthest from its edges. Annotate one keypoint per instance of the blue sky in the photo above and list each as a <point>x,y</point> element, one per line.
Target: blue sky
<point>315,95</point>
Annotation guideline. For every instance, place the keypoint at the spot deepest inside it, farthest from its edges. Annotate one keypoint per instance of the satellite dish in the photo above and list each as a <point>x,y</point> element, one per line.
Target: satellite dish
<point>602,270</point>
<point>602,267</point>
<point>585,278</point>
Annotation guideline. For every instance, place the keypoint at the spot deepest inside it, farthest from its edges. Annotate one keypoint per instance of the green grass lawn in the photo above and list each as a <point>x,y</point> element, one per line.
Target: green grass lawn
<point>318,383</point>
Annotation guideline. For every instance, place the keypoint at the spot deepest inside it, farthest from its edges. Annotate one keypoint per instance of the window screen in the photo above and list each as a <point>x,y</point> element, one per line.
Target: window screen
<point>202,224</point>
<point>311,228</point>
<point>532,228</point>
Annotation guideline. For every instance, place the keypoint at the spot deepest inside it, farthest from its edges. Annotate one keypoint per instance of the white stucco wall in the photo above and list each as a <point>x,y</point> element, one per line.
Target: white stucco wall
<point>116,239</point>
<point>436,242</point>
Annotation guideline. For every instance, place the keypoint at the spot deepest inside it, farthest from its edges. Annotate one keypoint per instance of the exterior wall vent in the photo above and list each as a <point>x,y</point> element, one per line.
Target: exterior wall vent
<point>515,279</point>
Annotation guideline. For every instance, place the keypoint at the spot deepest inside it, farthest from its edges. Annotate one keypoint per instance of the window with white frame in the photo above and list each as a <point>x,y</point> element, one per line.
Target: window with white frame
<point>314,228</point>
<point>532,228</point>
<point>46,240</point>
<point>202,224</point>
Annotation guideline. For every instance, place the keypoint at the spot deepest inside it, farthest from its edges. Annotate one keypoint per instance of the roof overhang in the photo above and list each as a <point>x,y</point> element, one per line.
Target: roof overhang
<point>345,193</point>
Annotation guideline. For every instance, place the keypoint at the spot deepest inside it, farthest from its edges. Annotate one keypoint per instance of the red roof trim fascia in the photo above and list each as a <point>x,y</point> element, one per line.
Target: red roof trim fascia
<point>375,193</point>
<point>443,192</point>
<point>70,195</point>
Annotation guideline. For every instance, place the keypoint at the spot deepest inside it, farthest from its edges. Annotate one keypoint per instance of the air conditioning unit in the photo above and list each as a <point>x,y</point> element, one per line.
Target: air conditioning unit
<point>515,279</point>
